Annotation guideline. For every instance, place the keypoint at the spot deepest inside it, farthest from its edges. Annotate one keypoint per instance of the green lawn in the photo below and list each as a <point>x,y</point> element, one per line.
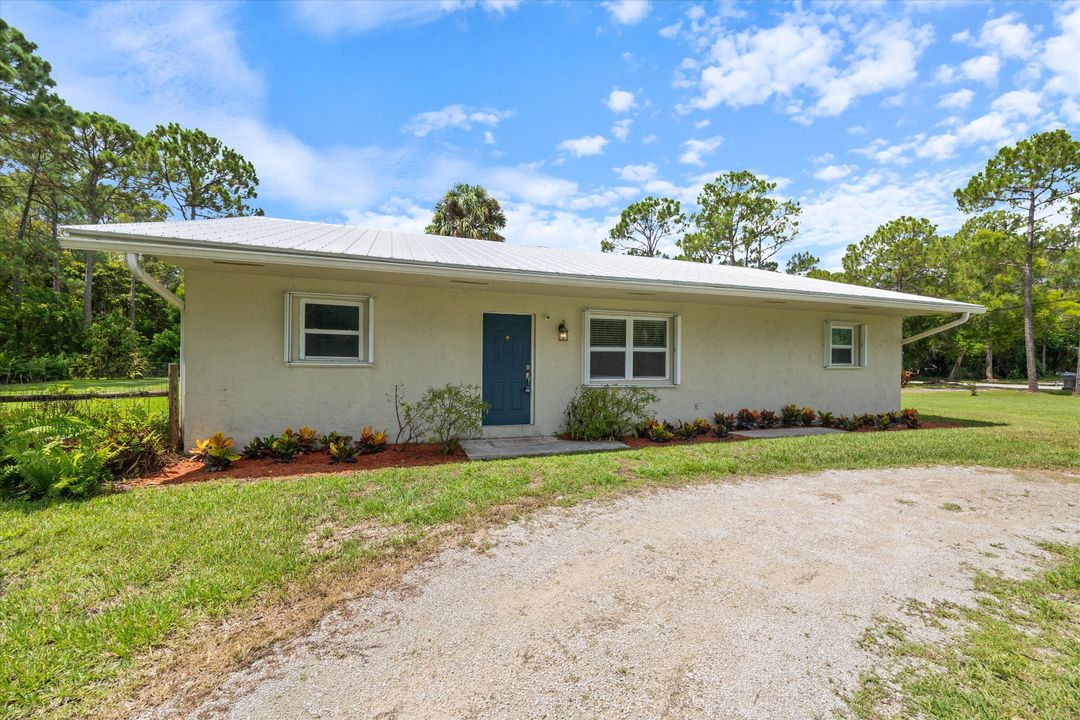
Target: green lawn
<point>88,589</point>
<point>82,385</point>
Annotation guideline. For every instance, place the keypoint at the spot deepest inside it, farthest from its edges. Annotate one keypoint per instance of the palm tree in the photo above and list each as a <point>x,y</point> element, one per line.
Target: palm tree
<point>467,211</point>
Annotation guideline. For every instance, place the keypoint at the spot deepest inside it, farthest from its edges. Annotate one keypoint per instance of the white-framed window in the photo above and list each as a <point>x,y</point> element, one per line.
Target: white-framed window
<point>623,348</point>
<point>845,344</point>
<point>328,329</point>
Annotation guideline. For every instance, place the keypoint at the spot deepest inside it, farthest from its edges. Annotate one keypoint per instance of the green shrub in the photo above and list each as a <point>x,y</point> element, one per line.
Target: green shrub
<point>445,414</point>
<point>133,439</point>
<point>257,449</point>
<point>910,416</point>
<point>342,450</point>
<point>370,441</point>
<point>686,430</point>
<point>50,457</point>
<point>724,424</point>
<point>656,431</point>
<point>790,414</point>
<point>607,413</point>
<point>114,350</point>
<point>807,416</point>
<point>216,452</point>
<point>767,419</point>
<point>826,419</point>
<point>164,347</point>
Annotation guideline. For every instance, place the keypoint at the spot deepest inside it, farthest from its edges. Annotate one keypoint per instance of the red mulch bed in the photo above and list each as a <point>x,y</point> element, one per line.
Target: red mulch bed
<point>186,470</point>
<point>640,442</point>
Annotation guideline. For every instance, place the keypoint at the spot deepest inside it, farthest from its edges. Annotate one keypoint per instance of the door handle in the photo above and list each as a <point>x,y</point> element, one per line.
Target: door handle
<point>528,378</point>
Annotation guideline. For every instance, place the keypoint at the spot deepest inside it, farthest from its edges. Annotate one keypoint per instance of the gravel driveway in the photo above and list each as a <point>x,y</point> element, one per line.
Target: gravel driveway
<point>734,600</point>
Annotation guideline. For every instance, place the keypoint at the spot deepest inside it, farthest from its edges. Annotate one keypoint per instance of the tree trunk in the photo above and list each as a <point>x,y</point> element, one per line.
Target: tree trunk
<point>989,362</point>
<point>956,368</point>
<point>88,290</point>
<point>131,301</point>
<point>1029,307</point>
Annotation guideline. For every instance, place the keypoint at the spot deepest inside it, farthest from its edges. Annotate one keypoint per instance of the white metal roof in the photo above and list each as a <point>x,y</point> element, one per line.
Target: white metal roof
<point>273,240</point>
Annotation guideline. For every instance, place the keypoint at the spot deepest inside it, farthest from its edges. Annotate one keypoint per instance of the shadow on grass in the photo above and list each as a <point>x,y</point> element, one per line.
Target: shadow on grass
<point>960,422</point>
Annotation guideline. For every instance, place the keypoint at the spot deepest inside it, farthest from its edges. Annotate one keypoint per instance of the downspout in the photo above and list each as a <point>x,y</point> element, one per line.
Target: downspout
<point>964,317</point>
<point>154,284</point>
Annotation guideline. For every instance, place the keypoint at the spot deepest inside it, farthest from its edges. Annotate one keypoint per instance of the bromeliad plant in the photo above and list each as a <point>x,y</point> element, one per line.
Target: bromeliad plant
<point>883,421</point>
<point>342,450</point>
<point>790,414</point>
<point>807,416</point>
<point>305,439</point>
<point>845,423</point>
<point>686,430</point>
<point>257,449</point>
<point>656,431</point>
<point>216,452</point>
<point>910,418</point>
<point>371,442</point>
<point>283,449</point>
<point>702,426</point>
<point>746,419</point>
<point>767,419</point>
<point>826,419</point>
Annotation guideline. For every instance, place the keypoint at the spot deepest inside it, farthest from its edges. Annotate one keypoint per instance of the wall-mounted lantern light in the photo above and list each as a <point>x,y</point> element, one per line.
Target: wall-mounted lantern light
<point>564,334</point>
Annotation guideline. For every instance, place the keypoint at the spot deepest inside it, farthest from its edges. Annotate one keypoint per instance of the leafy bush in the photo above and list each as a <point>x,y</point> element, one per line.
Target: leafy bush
<point>790,414</point>
<point>50,457</point>
<point>727,421</point>
<point>746,419</point>
<point>702,425</point>
<point>133,439</point>
<point>371,442</point>
<point>307,440</point>
<point>722,430</point>
<point>656,431</point>
<point>216,452</point>
<point>283,449</point>
<point>910,416</point>
<point>826,419</point>
<point>42,368</point>
<point>443,415</point>
<point>845,423</point>
<point>114,350</point>
<point>767,419</point>
<point>686,430</point>
<point>164,347</point>
<point>807,416</point>
<point>257,449</point>
<point>334,437</point>
<point>342,450</point>
<point>882,421</point>
<point>607,413</point>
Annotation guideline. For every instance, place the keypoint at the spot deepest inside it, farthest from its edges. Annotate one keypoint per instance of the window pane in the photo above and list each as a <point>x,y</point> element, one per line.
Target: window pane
<point>650,364</point>
<point>650,333</point>
<point>331,346</point>
<point>841,356</point>
<point>842,336</point>
<point>607,332</point>
<point>607,365</point>
<point>331,317</point>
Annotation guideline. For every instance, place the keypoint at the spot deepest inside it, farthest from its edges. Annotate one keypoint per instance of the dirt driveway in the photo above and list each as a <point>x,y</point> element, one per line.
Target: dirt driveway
<point>735,600</point>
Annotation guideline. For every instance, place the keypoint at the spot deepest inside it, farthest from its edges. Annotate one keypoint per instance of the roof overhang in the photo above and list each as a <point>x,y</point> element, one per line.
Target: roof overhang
<point>242,255</point>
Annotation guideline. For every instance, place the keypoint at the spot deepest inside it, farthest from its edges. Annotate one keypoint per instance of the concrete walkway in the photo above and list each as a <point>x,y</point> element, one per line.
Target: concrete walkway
<point>780,432</point>
<point>505,448</point>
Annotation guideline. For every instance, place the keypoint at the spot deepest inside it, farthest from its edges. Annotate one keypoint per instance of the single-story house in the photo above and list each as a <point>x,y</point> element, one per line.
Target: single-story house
<point>304,323</point>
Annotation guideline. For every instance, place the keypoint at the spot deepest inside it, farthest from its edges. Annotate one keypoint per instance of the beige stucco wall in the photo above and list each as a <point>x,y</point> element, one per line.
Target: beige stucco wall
<point>733,356</point>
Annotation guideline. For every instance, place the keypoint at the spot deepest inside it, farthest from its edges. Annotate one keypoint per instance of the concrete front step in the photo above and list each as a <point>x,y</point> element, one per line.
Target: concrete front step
<point>504,448</point>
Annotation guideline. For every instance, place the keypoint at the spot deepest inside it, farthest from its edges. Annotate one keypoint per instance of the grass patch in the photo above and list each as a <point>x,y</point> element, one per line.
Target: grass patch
<point>88,590</point>
<point>1018,656</point>
<point>83,385</point>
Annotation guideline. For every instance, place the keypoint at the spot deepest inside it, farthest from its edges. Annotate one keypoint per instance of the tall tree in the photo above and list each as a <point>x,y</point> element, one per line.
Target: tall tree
<point>740,223</point>
<point>467,211</point>
<point>25,78</point>
<point>644,225</point>
<point>103,179</point>
<point>905,255</point>
<point>802,263</point>
<point>1037,176</point>
<point>197,173</point>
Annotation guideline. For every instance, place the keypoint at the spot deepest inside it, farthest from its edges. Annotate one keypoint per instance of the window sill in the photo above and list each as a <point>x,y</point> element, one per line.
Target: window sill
<point>327,363</point>
<point>631,383</point>
<point>845,367</point>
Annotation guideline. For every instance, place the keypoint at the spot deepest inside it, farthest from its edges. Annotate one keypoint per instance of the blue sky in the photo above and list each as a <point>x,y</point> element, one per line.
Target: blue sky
<point>366,112</point>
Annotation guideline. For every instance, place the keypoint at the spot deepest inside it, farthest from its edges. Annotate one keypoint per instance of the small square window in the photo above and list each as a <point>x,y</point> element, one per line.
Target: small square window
<point>327,329</point>
<point>625,349</point>
<point>844,345</point>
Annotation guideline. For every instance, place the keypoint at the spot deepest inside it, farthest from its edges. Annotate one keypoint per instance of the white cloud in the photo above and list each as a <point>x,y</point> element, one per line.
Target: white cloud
<point>609,198</point>
<point>584,146</point>
<point>621,129</point>
<point>400,214</point>
<point>702,124</point>
<point>830,173</point>
<point>797,56</point>
<point>1062,53</point>
<point>620,100</point>
<point>489,137</point>
<point>329,17</point>
<point>1018,102</point>
<point>671,32</point>
<point>649,139</point>
<point>627,12</point>
<point>1008,36</point>
<point>637,173</point>
<point>957,100</point>
<point>527,184</point>
<point>937,147</point>
<point>982,69</point>
<point>695,150</point>
<point>454,116</point>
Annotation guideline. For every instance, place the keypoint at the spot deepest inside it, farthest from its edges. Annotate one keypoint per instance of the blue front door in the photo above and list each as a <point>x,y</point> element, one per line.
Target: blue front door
<point>507,368</point>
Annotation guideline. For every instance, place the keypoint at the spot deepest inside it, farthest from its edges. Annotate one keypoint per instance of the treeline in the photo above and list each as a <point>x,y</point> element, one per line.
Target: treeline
<point>65,313</point>
<point>1018,254</point>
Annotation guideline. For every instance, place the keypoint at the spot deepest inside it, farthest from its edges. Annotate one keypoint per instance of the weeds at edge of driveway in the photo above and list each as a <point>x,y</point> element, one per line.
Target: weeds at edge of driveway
<point>1017,654</point>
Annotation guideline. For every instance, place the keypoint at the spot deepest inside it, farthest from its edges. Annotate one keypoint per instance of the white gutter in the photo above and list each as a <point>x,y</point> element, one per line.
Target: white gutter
<point>152,282</point>
<point>940,328</point>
